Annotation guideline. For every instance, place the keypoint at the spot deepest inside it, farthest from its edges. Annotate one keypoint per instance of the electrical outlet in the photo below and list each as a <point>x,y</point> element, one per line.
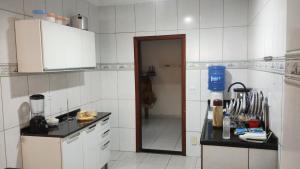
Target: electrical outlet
<point>194,141</point>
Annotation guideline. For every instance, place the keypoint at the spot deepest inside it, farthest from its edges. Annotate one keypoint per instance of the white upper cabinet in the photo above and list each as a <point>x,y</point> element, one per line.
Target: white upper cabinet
<point>45,46</point>
<point>293,25</point>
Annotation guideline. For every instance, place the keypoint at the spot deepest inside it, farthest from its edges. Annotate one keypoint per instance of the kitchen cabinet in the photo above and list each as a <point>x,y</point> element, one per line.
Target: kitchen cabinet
<point>263,159</point>
<point>45,46</point>
<point>293,25</point>
<point>216,157</point>
<point>72,151</point>
<point>88,148</point>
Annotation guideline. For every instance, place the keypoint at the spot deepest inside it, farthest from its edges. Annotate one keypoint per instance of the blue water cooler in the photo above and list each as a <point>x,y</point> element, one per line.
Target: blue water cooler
<point>216,82</point>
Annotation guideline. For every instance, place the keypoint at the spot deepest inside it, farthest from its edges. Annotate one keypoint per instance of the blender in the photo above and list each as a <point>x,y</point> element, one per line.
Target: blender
<point>38,123</point>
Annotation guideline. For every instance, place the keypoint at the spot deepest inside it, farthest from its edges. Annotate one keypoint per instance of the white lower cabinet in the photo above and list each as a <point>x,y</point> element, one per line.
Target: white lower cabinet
<point>219,157</point>
<point>263,159</point>
<point>85,149</point>
<point>72,151</point>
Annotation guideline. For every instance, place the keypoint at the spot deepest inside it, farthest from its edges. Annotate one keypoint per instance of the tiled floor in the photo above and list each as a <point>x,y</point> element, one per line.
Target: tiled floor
<point>131,160</point>
<point>162,133</point>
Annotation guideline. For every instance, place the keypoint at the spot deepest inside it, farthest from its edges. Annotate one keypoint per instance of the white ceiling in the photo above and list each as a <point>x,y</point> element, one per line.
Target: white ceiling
<point>115,2</point>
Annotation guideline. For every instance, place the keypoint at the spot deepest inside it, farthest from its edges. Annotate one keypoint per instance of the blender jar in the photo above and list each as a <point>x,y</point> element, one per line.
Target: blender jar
<point>37,105</point>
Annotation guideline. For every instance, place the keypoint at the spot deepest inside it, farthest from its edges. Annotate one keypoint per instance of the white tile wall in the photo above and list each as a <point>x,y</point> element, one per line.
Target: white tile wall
<point>108,48</point>
<point>107,16</point>
<point>93,16</point>
<point>109,86</point>
<point>58,93</point>
<point>55,6</point>
<point>192,44</point>
<point>127,139</point>
<point>15,100</point>
<point>69,7</point>
<point>193,80</point>
<point>188,14</point>
<point>235,13</point>
<point>193,116</point>
<point>125,21</point>
<point>166,15</point>
<point>2,152</point>
<point>82,7</point>
<point>125,52</point>
<point>211,44</point>
<point>12,5</point>
<point>30,5</point>
<point>145,16</point>
<point>127,114</point>
<point>1,114</point>
<point>74,81</point>
<point>126,85</point>
<point>193,149</point>
<point>7,34</point>
<point>235,43</point>
<point>115,145</point>
<point>211,13</point>
<point>13,148</point>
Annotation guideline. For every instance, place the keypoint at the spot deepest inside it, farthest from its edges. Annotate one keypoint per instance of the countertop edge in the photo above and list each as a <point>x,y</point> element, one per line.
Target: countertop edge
<point>64,136</point>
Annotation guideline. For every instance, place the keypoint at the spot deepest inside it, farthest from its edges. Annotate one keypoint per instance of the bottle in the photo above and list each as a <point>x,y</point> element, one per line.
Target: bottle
<point>217,113</point>
<point>226,127</point>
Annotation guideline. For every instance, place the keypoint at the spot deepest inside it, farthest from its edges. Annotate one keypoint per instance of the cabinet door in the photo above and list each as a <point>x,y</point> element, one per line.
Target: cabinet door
<point>91,148</point>
<point>73,48</point>
<point>263,159</point>
<point>88,49</point>
<point>293,25</point>
<point>72,152</point>
<point>217,157</point>
<point>54,41</point>
<point>104,153</point>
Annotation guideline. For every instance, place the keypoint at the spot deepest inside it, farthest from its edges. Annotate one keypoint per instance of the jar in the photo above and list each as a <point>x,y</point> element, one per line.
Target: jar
<point>66,21</point>
<point>51,17</point>
<point>59,19</point>
<point>40,14</point>
<point>217,113</point>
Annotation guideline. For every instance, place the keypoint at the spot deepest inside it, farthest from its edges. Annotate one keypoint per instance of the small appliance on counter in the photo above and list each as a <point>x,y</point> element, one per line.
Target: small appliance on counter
<point>38,123</point>
<point>79,21</point>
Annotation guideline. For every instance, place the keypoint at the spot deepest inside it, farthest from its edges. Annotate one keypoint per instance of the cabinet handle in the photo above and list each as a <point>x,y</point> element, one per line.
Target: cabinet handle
<point>73,138</point>
<point>105,145</point>
<point>105,133</point>
<point>105,121</point>
<point>91,128</point>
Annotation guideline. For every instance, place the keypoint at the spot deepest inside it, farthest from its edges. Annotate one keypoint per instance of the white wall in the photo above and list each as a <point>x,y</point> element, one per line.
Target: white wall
<point>81,89</point>
<point>166,84</point>
<point>267,37</point>
<point>217,33</point>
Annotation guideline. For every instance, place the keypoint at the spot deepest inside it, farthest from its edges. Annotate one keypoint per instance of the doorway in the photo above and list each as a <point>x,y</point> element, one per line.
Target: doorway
<point>160,93</point>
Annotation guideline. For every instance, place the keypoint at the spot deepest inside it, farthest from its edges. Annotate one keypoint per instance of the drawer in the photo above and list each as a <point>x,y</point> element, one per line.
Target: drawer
<point>104,136</point>
<point>105,153</point>
<point>104,124</point>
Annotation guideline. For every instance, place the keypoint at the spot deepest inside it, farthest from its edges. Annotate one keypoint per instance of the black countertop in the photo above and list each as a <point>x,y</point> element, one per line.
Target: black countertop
<point>66,127</point>
<point>213,136</point>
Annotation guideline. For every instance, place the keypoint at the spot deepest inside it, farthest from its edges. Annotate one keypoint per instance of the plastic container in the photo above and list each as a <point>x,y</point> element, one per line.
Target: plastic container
<point>216,78</point>
<point>59,19</point>
<point>217,113</point>
<point>215,96</point>
<point>51,17</point>
<point>226,127</point>
<point>40,14</point>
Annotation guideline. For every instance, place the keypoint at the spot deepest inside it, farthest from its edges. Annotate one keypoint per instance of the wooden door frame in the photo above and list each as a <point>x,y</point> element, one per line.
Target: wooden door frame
<point>137,42</point>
